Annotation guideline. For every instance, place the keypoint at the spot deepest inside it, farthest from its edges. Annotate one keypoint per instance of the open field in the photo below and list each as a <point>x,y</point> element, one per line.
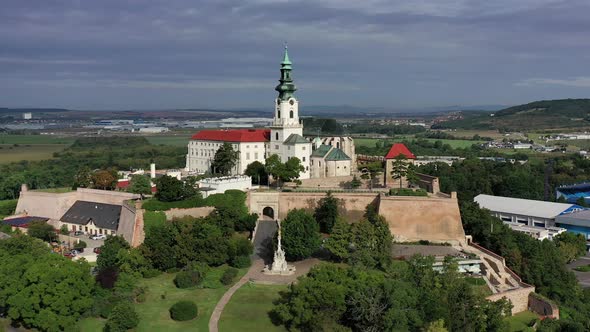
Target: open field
<point>521,321</point>
<point>176,140</point>
<point>31,152</point>
<point>248,309</point>
<point>162,294</point>
<point>454,143</point>
<point>35,139</point>
<point>463,133</point>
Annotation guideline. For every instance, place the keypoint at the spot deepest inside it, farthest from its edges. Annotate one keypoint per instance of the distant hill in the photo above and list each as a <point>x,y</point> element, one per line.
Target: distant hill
<point>545,114</point>
<point>32,110</point>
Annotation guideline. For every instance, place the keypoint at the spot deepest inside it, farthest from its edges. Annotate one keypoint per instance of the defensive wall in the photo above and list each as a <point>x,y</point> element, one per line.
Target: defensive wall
<point>197,212</point>
<point>433,218</point>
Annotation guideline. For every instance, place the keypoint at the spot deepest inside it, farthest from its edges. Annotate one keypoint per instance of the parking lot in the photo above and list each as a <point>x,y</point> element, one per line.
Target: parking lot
<point>88,253</point>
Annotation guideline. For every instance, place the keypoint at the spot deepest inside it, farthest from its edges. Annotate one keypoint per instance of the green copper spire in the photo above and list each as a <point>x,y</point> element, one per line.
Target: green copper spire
<point>286,87</point>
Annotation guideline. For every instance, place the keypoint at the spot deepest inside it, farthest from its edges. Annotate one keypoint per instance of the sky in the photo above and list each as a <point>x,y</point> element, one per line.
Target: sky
<point>397,54</point>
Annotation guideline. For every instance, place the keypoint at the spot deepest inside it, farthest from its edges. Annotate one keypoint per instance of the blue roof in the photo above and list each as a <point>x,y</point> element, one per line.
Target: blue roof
<point>22,221</point>
<point>574,192</point>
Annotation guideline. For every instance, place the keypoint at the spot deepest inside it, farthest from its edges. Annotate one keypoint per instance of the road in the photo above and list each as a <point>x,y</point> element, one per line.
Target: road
<point>583,277</point>
<point>263,240</point>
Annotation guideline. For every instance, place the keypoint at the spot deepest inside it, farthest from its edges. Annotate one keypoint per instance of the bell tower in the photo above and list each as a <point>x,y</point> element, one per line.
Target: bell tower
<point>286,118</point>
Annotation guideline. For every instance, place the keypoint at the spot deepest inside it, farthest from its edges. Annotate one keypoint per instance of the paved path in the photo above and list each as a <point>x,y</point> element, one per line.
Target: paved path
<point>224,300</point>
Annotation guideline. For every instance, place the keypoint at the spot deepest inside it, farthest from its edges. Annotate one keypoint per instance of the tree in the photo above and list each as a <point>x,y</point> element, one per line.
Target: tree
<point>399,168</point>
<point>225,159</point>
<point>338,244</point>
<point>170,189</point>
<point>64,230</point>
<point>570,245</point>
<point>411,176</point>
<point>122,318</point>
<point>300,235</point>
<point>104,179</point>
<point>371,171</point>
<point>108,261</point>
<point>355,182</point>
<point>41,290</point>
<point>284,172</point>
<point>41,230</point>
<point>332,126</point>
<point>326,213</point>
<point>83,178</point>
<point>257,171</point>
<point>140,184</point>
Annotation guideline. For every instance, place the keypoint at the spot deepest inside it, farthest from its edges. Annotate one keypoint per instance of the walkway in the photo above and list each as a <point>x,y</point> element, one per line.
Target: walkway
<point>264,234</point>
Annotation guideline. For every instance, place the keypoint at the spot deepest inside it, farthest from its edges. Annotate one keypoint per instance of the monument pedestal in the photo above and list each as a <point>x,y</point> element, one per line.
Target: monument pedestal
<point>279,264</point>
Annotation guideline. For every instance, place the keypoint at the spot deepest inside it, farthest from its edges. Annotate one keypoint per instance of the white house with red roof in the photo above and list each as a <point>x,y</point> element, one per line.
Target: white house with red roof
<point>397,150</point>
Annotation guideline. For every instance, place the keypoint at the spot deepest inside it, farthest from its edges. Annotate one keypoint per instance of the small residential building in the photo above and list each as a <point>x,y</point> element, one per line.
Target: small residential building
<point>397,150</point>
<point>539,233</point>
<point>329,161</point>
<point>527,212</point>
<point>96,218</point>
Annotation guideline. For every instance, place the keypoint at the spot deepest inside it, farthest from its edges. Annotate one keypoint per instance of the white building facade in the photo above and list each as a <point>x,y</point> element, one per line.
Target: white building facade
<point>283,138</point>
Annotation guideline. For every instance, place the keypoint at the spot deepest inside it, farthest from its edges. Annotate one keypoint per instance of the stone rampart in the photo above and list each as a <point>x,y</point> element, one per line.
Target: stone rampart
<point>410,218</point>
<point>542,306</point>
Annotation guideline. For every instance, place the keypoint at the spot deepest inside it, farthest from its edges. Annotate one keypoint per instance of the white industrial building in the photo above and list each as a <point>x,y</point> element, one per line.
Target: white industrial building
<point>535,218</point>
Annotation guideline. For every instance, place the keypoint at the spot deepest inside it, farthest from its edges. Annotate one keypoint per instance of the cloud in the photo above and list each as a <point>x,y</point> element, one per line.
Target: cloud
<point>578,82</point>
<point>13,60</point>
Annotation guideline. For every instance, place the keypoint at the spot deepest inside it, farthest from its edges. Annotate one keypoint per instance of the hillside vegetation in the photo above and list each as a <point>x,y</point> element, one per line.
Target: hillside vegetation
<point>545,114</point>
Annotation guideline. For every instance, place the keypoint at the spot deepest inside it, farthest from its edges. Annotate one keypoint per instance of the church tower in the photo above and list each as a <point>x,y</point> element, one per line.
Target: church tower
<point>286,130</point>
<point>286,119</point>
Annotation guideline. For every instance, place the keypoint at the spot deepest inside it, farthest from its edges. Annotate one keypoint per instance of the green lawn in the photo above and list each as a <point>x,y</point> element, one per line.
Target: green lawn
<point>369,142</point>
<point>151,218</point>
<point>583,268</point>
<point>479,286</point>
<point>521,321</point>
<point>31,152</point>
<point>162,294</point>
<point>248,309</point>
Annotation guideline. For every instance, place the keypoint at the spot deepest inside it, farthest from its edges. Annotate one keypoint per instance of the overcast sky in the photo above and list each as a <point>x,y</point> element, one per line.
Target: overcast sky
<point>147,54</point>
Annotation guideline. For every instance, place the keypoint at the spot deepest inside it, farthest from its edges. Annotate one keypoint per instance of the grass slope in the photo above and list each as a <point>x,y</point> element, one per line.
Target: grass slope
<point>521,321</point>
<point>248,309</point>
<point>162,294</point>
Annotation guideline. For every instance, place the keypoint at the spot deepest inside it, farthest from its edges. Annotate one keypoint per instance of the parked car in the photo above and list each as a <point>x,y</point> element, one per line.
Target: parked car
<point>74,252</point>
<point>98,237</point>
<point>78,233</point>
<point>96,250</point>
<point>69,255</point>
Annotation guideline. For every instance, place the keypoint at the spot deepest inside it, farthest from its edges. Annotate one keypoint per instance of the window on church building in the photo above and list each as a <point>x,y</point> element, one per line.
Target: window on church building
<point>291,114</point>
<point>247,155</point>
<point>276,147</point>
<point>303,158</point>
<point>279,114</point>
<point>256,155</point>
<point>276,136</point>
<point>307,168</point>
<point>303,148</point>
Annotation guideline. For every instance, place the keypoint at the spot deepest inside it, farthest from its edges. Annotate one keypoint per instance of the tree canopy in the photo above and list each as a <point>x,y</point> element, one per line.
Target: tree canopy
<point>140,184</point>
<point>284,172</point>
<point>300,235</point>
<point>225,159</point>
<point>326,213</point>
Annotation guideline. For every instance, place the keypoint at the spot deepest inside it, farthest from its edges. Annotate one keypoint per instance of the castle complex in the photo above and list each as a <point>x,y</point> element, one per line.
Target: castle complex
<point>327,157</point>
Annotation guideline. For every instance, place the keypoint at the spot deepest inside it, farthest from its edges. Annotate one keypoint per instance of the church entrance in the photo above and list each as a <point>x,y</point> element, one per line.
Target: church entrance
<point>268,212</point>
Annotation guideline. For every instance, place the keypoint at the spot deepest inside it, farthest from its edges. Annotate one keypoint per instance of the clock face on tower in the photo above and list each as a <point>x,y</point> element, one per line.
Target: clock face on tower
<point>291,102</point>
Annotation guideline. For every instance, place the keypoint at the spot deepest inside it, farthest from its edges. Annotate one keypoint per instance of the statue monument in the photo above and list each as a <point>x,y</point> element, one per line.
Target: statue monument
<point>279,264</point>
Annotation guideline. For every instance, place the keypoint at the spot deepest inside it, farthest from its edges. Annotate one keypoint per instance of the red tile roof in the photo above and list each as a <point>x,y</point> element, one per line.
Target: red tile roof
<point>397,149</point>
<point>233,135</point>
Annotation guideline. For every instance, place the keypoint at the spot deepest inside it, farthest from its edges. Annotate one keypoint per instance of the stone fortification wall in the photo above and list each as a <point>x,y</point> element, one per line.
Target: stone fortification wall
<point>53,205</point>
<point>428,183</point>
<point>423,218</point>
<point>518,297</point>
<point>351,205</point>
<point>127,223</point>
<point>409,218</point>
<point>542,306</point>
<point>193,212</point>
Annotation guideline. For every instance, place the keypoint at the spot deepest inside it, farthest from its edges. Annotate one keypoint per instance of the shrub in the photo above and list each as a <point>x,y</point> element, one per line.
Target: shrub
<point>228,275</point>
<point>240,246</point>
<point>184,310</point>
<point>193,275</point>
<point>122,318</point>
<point>240,262</point>
<point>151,273</point>
<point>80,245</point>
<point>407,192</point>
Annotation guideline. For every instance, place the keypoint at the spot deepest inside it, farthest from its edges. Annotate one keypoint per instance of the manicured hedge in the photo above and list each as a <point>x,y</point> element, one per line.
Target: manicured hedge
<point>231,198</point>
<point>184,310</point>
